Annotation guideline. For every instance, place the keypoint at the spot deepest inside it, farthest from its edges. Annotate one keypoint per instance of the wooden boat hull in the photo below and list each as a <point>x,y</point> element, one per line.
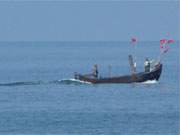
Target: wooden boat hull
<point>139,77</point>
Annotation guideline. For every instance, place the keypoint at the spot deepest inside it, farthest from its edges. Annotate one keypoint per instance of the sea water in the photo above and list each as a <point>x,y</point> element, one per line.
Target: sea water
<point>39,96</point>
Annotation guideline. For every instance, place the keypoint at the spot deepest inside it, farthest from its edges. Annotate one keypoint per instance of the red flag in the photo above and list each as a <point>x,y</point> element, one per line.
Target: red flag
<point>163,41</point>
<point>170,41</point>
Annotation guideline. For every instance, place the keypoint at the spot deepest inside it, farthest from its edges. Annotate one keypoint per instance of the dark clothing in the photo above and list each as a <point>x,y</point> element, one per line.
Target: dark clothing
<point>95,71</point>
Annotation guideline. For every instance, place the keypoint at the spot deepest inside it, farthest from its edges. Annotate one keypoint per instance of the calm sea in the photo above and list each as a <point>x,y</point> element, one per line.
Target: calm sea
<point>35,101</point>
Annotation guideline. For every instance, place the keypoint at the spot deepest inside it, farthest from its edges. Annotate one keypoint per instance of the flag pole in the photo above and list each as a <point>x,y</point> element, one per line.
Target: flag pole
<point>133,41</point>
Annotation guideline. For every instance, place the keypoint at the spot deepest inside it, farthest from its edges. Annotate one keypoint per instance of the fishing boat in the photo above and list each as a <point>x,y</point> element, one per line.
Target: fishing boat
<point>153,74</point>
<point>153,71</point>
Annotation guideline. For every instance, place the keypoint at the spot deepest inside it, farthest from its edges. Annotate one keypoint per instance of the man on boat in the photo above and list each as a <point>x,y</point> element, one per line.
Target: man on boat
<point>95,71</point>
<point>147,65</point>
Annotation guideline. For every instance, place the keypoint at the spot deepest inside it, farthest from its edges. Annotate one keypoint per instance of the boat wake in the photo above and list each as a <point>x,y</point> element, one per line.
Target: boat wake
<point>62,81</point>
<point>21,83</point>
<point>150,82</point>
<point>70,81</point>
<point>73,81</point>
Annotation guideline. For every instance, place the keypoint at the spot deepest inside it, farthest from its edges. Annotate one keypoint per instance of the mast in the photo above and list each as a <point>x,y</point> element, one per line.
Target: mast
<point>132,66</point>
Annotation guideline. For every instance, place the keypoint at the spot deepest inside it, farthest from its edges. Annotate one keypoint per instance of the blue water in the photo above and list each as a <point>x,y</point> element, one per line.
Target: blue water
<point>35,101</point>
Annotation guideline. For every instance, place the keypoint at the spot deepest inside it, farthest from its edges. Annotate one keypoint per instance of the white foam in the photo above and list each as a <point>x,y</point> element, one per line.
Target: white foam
<point>150,82</point>
<point>74,80</point>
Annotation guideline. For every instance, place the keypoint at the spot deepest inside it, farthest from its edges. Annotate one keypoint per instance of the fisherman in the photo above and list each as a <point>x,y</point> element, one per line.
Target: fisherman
<point>147,65</point>
<point>95,71</point>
